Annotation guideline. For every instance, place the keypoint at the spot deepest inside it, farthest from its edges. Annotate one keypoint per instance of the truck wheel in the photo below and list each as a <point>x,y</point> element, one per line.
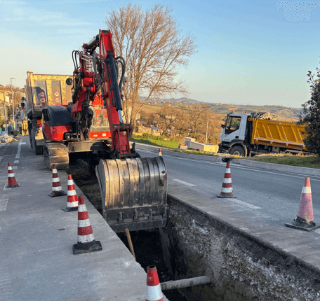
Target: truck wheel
<point>39,150</point>
<point>30,138</point>
<point>237,151</point>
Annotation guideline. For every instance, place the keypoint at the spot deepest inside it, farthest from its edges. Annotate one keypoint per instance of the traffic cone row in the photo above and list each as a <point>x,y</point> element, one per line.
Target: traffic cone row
<point>56,186</point>
<point>304,219</point>
<point>72,199</point>
<point>86,242</point>
<point>227,189</point>
<point>153,290</point>
<point>12,183</point>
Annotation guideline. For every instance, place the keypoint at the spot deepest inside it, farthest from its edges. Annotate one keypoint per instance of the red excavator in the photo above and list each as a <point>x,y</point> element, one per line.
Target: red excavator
<point>133,189</point>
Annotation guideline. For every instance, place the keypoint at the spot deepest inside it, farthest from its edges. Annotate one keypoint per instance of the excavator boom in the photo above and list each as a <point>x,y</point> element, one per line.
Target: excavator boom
<point>133,189</point>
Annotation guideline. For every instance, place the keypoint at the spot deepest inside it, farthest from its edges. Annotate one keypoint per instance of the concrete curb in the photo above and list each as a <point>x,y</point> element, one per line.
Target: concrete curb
<point>279,167</point>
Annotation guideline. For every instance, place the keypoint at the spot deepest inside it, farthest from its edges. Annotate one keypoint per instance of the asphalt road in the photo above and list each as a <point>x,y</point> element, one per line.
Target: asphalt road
<point>274,196</point>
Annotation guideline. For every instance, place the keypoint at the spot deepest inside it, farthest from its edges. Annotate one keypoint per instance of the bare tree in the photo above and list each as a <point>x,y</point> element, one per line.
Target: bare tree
<point>196,110</point>
<point>153,48</point>
<point>167,118</point>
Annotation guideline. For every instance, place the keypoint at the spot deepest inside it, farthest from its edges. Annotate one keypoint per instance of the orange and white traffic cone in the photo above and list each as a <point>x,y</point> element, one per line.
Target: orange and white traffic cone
<point>227,189</point>
<point>304,219</point>
<point>72,199</point>
<point>86,242</point>
<point>153,291</point>
<point>160,152</point>
<point>12,183</point>
<point>56,186</point>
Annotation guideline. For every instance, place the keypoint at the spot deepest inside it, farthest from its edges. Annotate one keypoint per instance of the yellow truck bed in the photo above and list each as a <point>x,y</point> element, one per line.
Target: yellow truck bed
<point>47,90</point>
<point>278,134</point>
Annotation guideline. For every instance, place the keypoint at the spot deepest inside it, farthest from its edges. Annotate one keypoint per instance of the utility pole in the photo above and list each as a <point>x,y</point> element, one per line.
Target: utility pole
<point>207,130</point>
<point>14,122</point>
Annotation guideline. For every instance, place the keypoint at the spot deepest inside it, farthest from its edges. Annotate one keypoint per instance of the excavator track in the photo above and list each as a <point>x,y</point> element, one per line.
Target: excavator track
<point>56,154</point>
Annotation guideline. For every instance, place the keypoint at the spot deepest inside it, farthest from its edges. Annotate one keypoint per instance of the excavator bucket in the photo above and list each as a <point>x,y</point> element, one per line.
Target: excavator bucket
<point>134,193</point>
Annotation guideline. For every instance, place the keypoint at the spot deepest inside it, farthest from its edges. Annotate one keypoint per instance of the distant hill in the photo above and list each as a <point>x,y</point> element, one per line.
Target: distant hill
<point>173,100</point>
<point>289,114</point>
<point>286,112</point>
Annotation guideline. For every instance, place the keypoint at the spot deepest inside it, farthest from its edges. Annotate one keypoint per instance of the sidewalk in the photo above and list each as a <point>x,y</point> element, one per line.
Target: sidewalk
<point>36,239</point>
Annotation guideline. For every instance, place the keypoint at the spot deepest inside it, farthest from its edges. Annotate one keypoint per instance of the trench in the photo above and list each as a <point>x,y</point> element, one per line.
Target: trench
<point>195,244</point>
<point>147,244</point>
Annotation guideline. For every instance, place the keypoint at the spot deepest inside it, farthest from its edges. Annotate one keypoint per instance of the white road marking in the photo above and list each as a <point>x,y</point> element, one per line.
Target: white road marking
<point>6,188</point>
<point>239,167</point>
<point>43,250</point>
<point>3,204</point>
<point>243,203</point>
<point>16,161</point>
<point>19,149</point>
<point>183,182</point>
<point>5,283</point>
<point>14,167</point>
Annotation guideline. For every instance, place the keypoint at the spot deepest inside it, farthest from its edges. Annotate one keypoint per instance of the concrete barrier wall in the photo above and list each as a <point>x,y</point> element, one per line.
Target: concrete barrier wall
<point>241,266</point>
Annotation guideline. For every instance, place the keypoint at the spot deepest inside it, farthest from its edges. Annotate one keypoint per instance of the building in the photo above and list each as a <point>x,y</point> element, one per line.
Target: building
<point>3,111</point>
<point>5,96</point>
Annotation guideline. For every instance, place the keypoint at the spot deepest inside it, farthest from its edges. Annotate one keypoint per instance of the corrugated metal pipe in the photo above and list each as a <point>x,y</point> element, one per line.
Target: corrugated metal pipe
<point>185,283</point>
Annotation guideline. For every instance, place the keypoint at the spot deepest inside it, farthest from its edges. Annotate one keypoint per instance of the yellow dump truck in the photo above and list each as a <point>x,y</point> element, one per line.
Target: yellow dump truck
<point>23,127</point>
<point>245,134</point>
<point>43,90</point>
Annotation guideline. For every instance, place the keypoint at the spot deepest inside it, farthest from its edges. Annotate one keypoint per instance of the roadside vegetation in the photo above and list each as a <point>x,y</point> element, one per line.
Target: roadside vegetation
<point>163,141</point>
<point>311,161</point>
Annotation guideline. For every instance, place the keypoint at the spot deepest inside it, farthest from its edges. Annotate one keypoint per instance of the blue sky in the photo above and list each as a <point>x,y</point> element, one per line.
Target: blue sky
<point>248,52</point>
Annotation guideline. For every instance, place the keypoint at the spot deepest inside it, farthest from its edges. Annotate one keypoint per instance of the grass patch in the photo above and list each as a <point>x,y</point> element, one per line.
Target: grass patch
<point>310,161</point>
<point>156,141</point>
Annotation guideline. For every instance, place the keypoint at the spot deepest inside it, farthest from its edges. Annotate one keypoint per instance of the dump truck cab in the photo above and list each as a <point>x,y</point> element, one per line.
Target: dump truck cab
<point>234,133</point>
<point>258,133</point>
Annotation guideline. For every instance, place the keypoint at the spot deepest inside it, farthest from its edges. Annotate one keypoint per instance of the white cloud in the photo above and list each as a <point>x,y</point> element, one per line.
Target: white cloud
<point>20,11</point>
<point>297,11</point>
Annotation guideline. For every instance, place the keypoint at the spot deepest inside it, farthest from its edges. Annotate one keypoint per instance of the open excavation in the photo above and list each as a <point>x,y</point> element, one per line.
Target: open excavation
<point>89,124</point>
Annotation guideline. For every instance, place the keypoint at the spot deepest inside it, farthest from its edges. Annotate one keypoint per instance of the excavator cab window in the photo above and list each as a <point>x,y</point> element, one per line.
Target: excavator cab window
<point>232,124</point>
<point>45,114</point>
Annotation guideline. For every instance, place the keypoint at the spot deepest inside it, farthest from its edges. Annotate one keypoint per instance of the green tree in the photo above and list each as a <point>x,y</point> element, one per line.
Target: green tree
<point>310,115</point>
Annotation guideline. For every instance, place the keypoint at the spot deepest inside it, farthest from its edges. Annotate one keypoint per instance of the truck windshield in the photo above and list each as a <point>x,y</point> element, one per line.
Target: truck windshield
<point>233,124</point>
